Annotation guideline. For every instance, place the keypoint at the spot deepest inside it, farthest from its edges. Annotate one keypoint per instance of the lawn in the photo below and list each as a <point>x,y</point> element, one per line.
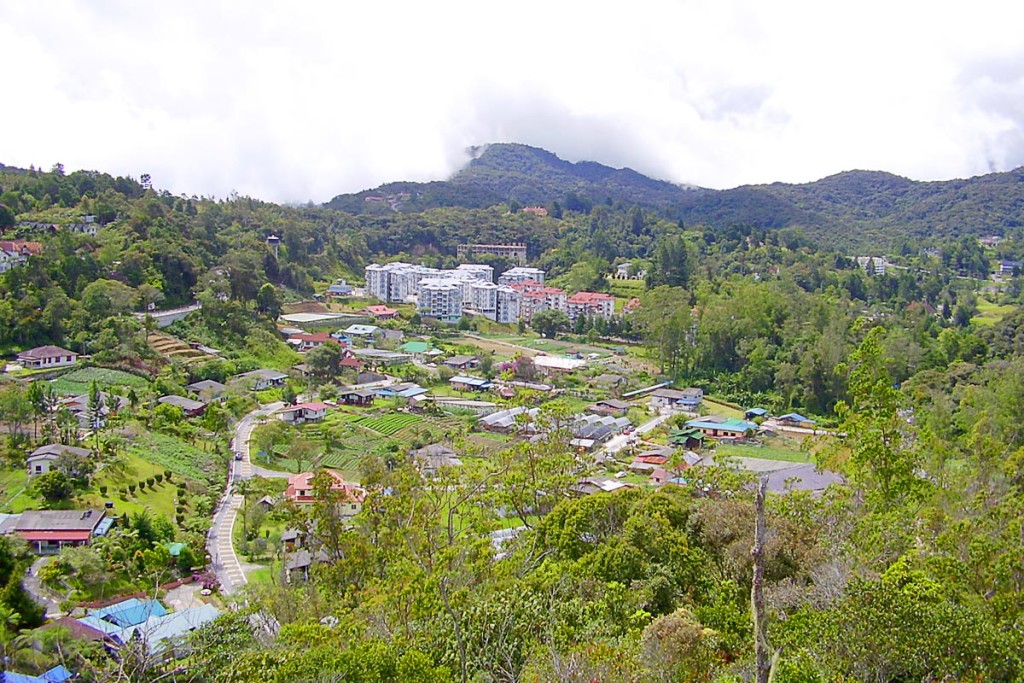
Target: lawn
<point>80,381</point>
<point>13,496</point>
<point>17,497</point>
<point>160,499</point>
<point>990,313</point>
<point>774,449</point>
<point>711,406</point>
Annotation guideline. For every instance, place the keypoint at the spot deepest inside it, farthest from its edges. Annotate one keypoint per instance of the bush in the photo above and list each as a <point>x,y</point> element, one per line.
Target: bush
<point>103,490</point>
<point>142,485</point>
<point>131,489</point>
<point>167,475</point>
<point>151,482</point>
<point>159,478</point>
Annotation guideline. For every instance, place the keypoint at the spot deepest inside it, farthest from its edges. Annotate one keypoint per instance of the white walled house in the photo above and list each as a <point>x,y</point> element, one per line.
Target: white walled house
<point>47,357</point>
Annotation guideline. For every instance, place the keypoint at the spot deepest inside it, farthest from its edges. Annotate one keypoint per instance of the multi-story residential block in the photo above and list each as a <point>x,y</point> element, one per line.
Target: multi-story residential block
<point>440,298</point>
<point>516,250</point>
<point>590,304</point>
<point>519,275</point>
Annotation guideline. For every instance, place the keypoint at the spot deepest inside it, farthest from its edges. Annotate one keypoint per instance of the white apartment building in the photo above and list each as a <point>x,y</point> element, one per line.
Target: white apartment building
<point>507,305</point>
<point>518,275</point>
<point>440,298</point>
<point>476,271</point>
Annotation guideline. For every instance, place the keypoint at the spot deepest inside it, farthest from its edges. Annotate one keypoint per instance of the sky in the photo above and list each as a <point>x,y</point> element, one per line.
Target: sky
<point>292,102</point>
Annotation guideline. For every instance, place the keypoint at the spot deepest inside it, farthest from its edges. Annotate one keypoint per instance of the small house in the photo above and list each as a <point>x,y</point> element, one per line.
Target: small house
<point>49,356</point>
<point>609,406</point>
<point>433,457</point>
<point>303,413</point>
<point>465,383</point>
<point>665,398</point>
<point>339,289</point>
<point>207,389</point>
<point>43,459</point>
<point>754,413</point>
<point>365,332</point>
<point>381,312</point>
<point>796,420</point>
<point>302,491</point>
<point>691,399</point>
<point>47,531</point>
<point>188,406</point>
<point>262,379</point>
<point>357,397</point>
<point>461,362</point>
<point>722,427</point>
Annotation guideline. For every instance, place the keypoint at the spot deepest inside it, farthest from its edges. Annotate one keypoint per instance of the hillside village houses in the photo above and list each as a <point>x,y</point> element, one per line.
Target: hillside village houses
<point>14,253</point>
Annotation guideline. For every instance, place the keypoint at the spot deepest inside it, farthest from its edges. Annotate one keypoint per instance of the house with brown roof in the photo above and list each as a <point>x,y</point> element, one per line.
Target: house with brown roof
<point>44,458</point>
<point>188,406</point>
<point>47,531</point>
<point>381,312</point>
<point>47,357</point>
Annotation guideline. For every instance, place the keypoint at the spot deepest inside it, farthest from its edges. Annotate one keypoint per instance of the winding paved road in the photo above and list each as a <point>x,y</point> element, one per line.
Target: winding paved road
<point>219,545</point>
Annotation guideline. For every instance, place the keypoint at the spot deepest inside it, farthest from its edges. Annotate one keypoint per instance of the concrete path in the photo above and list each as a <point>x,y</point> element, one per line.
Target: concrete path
<point>42,595</point>
<point>219,544</point>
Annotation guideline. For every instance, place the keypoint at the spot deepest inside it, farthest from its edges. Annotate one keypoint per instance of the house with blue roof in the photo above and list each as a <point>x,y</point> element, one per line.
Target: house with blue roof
<point>796,420</point>
<point>466,383</point>
<point>57,674</point>
<point>753,413</point>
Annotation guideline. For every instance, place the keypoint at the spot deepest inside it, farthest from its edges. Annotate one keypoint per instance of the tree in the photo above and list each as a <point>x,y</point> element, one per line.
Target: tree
<point>881,462</point>
<point>323,361</point>
<point>54,486</point>
<point>267,301</point>
<point>7,219</point>
<point>550,322</point>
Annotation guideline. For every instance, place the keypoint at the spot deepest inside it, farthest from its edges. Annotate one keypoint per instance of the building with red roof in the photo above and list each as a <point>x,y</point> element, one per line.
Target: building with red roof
<point>302,491</point>
<point>381,312</point>
<point>304,341</point>
<point>590,304</point>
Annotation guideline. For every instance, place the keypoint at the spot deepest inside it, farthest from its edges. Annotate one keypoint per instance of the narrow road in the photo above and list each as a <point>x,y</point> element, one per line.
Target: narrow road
<point>219,544</point>
<point>620,441</point>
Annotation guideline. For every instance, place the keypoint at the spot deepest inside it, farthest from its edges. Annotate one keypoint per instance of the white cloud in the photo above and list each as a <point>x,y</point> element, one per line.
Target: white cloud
<point>304,101</point>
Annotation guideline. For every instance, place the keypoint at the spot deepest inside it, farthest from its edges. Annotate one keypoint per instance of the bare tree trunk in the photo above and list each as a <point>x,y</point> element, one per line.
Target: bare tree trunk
<point>762,654</point>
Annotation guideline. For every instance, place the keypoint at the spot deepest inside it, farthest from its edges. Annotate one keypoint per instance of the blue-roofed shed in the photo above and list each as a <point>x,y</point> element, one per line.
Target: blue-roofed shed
<point>752,413</point>
<point>796,420</point>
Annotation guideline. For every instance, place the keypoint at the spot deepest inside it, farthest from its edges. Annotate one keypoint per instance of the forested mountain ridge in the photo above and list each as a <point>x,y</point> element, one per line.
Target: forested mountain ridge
<point>527,175</point>
<point>852,209</point>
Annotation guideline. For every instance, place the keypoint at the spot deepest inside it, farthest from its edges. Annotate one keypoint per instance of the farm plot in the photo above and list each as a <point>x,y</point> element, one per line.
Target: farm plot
<point>388,424</point>
<point>80,381</point>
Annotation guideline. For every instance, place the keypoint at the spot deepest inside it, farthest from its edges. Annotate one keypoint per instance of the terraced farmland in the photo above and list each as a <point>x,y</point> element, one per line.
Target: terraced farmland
<point>388,424</point>
<point>176,349</point>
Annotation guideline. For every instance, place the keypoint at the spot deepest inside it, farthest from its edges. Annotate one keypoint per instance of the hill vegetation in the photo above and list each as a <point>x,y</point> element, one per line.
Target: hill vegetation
<point>854,209</point>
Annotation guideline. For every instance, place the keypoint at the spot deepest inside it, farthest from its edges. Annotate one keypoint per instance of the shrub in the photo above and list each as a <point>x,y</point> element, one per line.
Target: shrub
<point>103,490</point>
<point>142,485</point>
<point>151,482</point>
<point>167,475</point>
<point>159,478</point>
<point>131,489</point>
